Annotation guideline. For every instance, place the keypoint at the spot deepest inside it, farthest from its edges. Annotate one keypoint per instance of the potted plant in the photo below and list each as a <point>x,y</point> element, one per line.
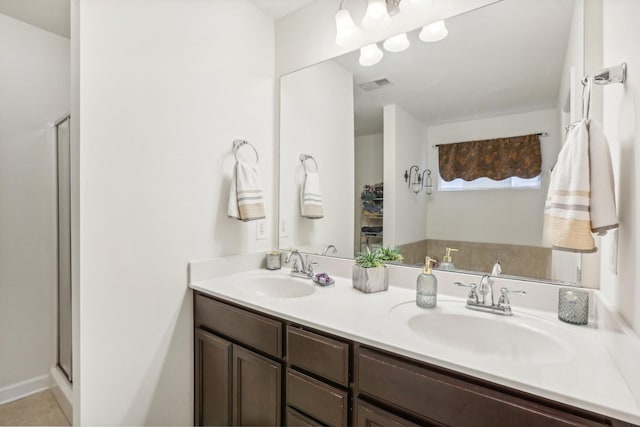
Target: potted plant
<point>369,273</point>
<point>391,255</point>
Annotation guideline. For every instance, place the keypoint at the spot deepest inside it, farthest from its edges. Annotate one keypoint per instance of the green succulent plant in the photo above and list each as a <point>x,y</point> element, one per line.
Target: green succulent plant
<point>369,259</point>
<point>389,254</point>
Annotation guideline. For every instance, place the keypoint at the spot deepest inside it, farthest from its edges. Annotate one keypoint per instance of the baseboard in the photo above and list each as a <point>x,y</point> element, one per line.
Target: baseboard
<point>62,392</point>
<point>23,389</point>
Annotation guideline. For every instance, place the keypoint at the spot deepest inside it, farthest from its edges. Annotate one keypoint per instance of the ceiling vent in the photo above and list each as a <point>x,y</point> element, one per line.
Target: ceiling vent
<point>375,84</point>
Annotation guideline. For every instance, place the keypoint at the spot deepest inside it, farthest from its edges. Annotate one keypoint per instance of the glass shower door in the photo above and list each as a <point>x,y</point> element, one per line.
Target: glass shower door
<point>64,246</point>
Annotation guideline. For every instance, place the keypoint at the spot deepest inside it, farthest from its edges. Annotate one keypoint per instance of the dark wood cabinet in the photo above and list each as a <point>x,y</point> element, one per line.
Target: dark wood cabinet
<point>433,396</point>
<point>257,387</point>
<point>255,369</point>
<point>213,366</point>
<point>318,400</point>
<point>366,415</point>
<point>234,386</point>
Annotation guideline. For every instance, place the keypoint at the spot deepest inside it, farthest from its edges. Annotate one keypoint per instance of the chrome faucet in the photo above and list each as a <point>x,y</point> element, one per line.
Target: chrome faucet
<point>486,285</point>
<point>326,250</point>
<point>300,268</point>
<point>476,303</point>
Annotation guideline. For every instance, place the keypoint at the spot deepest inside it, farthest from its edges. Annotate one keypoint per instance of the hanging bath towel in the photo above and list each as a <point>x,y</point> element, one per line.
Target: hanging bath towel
<point>311,197</point>
<point>580,198</point>
<point>603,202</point>
<point>245,198</point>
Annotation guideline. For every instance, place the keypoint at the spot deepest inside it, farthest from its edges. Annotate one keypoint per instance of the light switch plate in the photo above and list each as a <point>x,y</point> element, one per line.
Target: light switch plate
<point>261,229</point>
<point>283,228</point>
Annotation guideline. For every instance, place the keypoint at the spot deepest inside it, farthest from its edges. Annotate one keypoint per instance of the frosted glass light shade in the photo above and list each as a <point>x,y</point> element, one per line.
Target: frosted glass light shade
<point>370,55</point>
<point>410,6</point>
<point>434,32</point>
<point>377,17</point>
<point>345,29</point>
<point>396,43</point>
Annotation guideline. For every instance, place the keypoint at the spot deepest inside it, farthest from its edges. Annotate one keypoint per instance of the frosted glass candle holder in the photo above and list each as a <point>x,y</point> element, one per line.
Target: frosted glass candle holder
<point>573,306</point>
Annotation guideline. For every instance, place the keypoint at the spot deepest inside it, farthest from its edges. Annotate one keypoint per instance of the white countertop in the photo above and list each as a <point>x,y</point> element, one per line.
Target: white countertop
<point>586,377</point>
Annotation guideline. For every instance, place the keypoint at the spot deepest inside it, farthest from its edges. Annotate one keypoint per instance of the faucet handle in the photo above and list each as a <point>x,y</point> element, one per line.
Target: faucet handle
<point>504,299</point>
<point>310,268</point>
<point>472,298</point>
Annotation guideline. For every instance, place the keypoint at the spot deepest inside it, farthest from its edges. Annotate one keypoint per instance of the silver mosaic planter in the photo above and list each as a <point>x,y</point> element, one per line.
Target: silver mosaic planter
<point>369,280</point>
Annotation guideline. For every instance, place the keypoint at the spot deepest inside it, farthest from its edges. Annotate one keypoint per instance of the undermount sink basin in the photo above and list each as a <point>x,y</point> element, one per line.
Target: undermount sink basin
<point>497,337</point>
<point>277,286</point>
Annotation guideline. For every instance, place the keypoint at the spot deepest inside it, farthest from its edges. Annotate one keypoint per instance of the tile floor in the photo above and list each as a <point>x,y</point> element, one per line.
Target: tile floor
<point>40,409</point>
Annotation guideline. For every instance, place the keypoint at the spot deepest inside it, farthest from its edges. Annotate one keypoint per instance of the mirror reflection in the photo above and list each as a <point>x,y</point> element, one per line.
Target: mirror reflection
<point>378,135</point>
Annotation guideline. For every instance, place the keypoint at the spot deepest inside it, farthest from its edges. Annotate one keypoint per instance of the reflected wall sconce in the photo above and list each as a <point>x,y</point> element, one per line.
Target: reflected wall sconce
<point>427,183</point>
<point>378,18</point>
<point>413,178</point>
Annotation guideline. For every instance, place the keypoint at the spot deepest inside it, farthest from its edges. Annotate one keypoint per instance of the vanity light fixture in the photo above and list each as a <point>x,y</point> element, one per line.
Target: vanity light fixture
<point>427,183</point>
<point>370,55</point>
<point>346,29</point>
<point>434,32</point>
<point>377,17</point>
<point>396,43</point>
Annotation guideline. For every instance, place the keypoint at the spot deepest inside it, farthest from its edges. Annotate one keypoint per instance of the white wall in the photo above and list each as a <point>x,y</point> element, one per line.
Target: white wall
<point>369,169</point>
<point>318,105</point>
<point>165,86</point>
<point>621,119</point>
<point>34,93</point>
<point>494,216</point>
<point>404,212</point>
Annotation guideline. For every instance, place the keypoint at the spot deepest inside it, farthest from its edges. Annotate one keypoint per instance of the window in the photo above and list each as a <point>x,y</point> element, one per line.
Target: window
<point>514,162</point>
<point>460,184</point>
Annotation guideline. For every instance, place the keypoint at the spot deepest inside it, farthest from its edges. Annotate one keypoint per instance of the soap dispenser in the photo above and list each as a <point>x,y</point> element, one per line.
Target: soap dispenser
<point>427,286</point>
<point>446,263</point>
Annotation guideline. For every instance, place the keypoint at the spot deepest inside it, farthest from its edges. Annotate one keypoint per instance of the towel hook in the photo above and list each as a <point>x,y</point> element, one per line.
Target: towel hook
<point>305,157</point>
<point>237,143</point>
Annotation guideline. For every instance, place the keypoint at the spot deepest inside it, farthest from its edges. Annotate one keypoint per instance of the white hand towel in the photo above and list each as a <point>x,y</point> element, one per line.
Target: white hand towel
<point>245,198</point>
<point>603,202</point>
<point>581,191</point>
<point>311,197</point>
<point>566,213</point>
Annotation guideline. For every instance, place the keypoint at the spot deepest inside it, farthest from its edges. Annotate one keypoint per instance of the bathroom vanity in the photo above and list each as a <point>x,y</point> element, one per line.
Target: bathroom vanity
<point>264,358</point>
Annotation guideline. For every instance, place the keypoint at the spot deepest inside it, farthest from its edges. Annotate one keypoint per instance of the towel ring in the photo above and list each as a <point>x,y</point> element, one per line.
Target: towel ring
<point>305,157</point>
<point>237,143</point>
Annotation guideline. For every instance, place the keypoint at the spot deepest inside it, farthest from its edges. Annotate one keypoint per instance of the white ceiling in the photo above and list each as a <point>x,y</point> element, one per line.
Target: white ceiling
<point>50,15</point>
<point>501,59</point>
<point>54,15</point>
<point>276,9</point>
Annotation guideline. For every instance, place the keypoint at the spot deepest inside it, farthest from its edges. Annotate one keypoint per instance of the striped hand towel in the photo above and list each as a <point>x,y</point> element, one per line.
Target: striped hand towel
<point>580,198</point>
<point>245,198</point>
<point>603,202</point>
<point>311,197</point>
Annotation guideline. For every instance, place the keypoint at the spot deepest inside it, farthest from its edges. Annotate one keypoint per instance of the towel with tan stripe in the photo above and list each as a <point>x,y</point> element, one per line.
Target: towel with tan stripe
<point>581,193</point>
<point>311,197</point>
<point>245,198</point>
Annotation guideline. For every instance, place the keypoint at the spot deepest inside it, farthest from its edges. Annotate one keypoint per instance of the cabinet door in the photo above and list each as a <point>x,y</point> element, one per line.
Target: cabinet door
<point>212,380</point>
<point>257,384</point>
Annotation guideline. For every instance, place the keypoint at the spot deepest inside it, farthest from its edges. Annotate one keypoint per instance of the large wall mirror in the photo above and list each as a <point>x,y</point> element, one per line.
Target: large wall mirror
<point>353,134</point>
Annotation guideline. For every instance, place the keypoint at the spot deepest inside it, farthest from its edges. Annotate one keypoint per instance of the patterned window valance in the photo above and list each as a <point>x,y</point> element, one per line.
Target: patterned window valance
<point>497,159</point>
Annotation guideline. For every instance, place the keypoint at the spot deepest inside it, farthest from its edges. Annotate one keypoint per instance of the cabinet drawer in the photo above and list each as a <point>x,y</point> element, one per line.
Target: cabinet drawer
<point>366,415</point>
<point>452,401</point>
<point>324,403</point>
<point>296,419</point>
<point>324,356</point>
<point>248,328</point>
